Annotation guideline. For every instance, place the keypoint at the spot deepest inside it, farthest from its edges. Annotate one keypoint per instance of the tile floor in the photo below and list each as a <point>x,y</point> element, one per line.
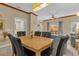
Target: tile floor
<point>5,48</point>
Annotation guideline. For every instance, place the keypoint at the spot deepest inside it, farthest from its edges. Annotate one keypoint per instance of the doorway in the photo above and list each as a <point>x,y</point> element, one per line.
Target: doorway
<point>19,25</point>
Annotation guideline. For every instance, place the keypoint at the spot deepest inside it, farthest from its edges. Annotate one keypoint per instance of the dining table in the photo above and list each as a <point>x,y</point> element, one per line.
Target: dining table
<point>36,43</point>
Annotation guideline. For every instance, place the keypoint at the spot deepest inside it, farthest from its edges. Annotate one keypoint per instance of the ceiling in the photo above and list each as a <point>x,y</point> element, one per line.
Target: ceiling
<point>58,9</point>
<point>23,6</point>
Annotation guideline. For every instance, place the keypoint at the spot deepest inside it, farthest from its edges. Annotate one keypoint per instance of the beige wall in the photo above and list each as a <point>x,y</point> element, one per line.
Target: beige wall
<point>44,24</point>
<point>33,22</point>
<point>9,16</point>
<point>66,23</point>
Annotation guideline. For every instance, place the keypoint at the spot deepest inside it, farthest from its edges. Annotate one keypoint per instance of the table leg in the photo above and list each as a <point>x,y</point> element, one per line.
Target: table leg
<point>38,54</point>
<point>77,47</point>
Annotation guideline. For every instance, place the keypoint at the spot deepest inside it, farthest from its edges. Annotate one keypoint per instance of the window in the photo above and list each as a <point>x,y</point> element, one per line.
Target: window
<point>19,25</point>
<point>75,27</point>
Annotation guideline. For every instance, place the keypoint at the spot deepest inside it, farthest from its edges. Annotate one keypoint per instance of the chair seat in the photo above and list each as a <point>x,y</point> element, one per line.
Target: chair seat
<point>46,52</point>
<point>29,52</point>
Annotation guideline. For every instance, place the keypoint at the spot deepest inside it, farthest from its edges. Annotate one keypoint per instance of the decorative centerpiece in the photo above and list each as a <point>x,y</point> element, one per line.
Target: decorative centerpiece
<point>4,35</point>
<point>31,34</point>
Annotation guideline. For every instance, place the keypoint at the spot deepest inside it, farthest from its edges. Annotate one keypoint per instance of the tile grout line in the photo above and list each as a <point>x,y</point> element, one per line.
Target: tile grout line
<point>5,45</point>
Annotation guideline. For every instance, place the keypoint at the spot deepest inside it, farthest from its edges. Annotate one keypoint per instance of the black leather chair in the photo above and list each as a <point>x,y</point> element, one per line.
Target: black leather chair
<point>46,34</point>
<point>59,45</point>
<point>37,33</point>
<point>56,40</point>
<point>62,45</point>
<point>73,38</point>
<point>21,33</point>
<point>18,49</point>
<point>43,34</point>
<point>17,46</point>
<point>47,51</point>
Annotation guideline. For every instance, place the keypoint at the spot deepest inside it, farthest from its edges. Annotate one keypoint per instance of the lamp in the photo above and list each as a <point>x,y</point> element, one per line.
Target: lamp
<point>54,28</point>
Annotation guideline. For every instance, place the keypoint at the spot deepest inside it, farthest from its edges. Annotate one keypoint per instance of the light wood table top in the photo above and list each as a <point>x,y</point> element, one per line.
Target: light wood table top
<point>36,44</point>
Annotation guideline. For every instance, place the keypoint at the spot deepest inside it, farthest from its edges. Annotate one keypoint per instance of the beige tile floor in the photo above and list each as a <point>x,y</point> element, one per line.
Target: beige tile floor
<point>70,51</point>
<point>5,48</point>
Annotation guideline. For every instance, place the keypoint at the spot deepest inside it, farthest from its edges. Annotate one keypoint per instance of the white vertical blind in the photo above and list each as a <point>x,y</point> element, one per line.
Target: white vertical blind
<point>19,25</point>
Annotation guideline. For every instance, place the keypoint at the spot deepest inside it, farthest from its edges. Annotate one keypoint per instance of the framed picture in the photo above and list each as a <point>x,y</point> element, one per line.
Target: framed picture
<point>1,25</point>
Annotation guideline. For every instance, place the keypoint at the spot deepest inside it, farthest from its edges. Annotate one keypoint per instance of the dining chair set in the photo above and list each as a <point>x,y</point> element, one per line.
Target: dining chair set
<point>56,49</point>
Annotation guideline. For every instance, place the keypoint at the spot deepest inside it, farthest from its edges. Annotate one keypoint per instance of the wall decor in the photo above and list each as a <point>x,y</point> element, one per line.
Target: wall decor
<point>1,25</point>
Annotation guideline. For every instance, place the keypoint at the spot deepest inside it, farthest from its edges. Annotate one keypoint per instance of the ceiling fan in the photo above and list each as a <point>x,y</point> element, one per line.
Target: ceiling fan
<point>53,17</point>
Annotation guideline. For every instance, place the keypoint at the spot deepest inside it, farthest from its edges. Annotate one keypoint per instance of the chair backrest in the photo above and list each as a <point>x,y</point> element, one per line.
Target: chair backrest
<point>17,47</point>
<point>46,34</point>
<point>37,33</point>
<point>55,44</point>
<point>21,33</point>
<point>73,38</point>
<point>62,43</point>
<point>43,34</point>
<point>13,47</point>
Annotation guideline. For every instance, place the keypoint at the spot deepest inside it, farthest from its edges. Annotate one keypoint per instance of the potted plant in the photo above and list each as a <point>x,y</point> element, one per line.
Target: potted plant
<point>4,35</point>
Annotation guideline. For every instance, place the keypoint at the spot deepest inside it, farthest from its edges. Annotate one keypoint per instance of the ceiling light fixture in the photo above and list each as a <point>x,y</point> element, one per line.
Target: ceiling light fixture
<point>42,5</point>
<point>77,14</point>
